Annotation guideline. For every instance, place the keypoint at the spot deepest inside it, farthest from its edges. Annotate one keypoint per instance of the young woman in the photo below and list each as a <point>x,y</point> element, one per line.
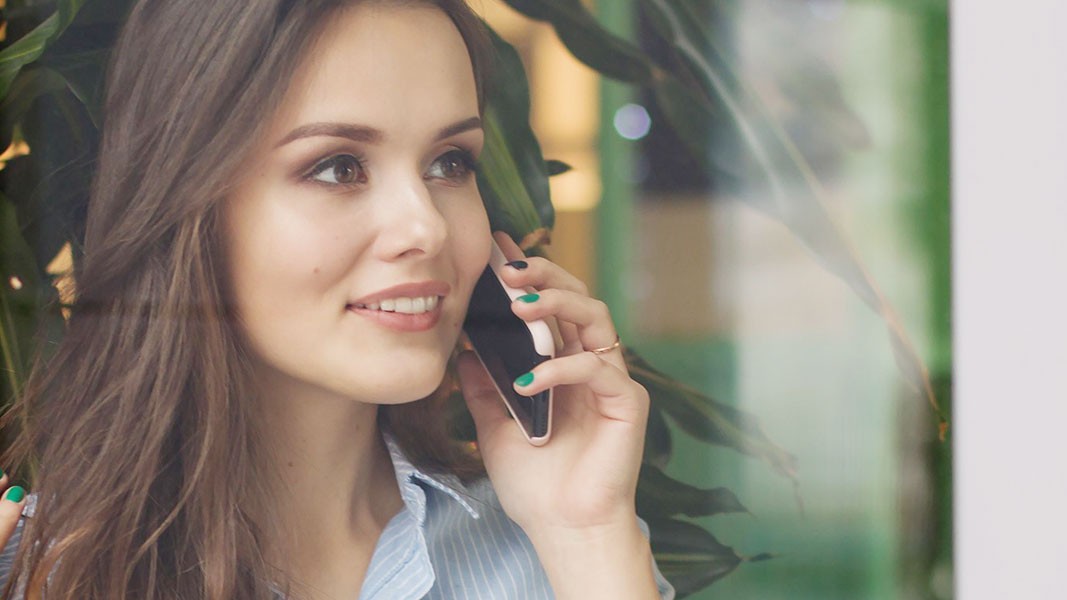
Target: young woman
<point>235,411</point>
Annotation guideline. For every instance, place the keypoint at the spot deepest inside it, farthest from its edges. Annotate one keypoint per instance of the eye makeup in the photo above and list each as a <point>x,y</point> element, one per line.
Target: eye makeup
<point>344,167</point>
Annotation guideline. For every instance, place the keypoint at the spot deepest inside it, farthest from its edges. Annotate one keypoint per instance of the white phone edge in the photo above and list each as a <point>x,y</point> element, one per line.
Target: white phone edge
<point>534,441</point>
<point>544,344</point>
<point>542,335</point>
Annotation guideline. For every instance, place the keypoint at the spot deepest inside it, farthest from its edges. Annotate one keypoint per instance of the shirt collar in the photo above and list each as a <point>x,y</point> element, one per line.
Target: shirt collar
<point>413,494</point>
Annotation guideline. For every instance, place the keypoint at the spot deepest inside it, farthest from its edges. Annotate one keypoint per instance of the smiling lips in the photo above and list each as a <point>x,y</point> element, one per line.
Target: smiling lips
<point>405,307</point>
<point>410,306</point>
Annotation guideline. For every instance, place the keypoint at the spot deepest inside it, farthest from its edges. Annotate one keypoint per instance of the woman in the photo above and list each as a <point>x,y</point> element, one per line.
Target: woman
<point>233,412</point>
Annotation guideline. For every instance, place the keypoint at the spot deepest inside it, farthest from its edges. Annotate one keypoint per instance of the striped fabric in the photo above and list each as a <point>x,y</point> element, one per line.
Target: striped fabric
<point>449,542</point>
<point>455,542</point>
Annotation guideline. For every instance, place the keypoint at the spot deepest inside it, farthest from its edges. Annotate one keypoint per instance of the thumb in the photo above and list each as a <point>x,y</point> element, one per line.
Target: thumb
<point>483,399</point>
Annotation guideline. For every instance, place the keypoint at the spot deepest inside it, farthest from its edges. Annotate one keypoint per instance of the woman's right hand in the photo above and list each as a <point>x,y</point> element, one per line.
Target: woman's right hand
<point>14,499</point>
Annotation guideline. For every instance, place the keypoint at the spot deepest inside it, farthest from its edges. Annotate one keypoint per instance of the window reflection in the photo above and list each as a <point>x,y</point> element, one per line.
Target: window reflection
<point>714,289</point>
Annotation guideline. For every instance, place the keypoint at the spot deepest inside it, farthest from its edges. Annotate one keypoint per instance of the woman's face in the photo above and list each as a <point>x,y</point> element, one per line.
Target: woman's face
<point>356,232</point>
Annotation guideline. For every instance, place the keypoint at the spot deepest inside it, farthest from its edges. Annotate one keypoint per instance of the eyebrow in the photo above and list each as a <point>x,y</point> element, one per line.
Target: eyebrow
<point>362,133</point>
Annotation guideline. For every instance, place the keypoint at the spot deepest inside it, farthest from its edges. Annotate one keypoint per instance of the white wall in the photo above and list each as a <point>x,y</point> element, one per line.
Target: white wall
<point>1010,260</point>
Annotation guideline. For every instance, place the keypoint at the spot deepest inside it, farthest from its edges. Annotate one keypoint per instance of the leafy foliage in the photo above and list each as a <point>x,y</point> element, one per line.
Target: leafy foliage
<point>700,90</point>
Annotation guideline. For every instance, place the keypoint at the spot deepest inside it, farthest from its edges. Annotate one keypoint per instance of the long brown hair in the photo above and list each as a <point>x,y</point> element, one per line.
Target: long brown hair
<point>143,422</point>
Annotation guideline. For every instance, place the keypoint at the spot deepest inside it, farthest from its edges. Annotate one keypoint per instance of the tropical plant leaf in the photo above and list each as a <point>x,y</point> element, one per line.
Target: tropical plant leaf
<point>52,182</point>
<point>595,46</point>
<point>502,187</point>
<point>702,120</point>
<point>788,189</point>
<point>29,47</point>
<point>25,295</point>
<point>689,556</point>
<point>658,442</point>
<point>708,420</point>
<point>29,85</point>
<point>509,103</point>
<point>659,496</point>
<point>17,273</point>
<point>84,75</point>
<point>43,79</point>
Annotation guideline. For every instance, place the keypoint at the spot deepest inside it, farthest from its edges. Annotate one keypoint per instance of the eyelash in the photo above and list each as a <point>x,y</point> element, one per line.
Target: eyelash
<point>465,159</point>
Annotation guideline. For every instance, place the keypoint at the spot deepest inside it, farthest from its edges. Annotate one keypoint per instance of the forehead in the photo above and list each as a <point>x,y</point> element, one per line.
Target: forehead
<point>383,65</point>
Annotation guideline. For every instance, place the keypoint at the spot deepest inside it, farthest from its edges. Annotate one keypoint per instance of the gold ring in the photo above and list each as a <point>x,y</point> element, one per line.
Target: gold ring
<point>607,349</point>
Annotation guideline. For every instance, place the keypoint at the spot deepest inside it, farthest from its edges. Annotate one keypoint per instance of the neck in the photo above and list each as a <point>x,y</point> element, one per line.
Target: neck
<point>337,486</point>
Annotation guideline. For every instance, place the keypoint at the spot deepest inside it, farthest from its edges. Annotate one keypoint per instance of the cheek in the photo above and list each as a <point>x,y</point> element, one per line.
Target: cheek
<point>473,242</point>
<point>279,264</point>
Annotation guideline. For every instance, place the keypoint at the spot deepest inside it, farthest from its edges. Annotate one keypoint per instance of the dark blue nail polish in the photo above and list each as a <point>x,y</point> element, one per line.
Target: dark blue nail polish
<point>518,265</point>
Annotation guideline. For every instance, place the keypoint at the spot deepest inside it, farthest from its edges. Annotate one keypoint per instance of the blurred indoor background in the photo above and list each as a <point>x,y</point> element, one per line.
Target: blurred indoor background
<point>728,300</point>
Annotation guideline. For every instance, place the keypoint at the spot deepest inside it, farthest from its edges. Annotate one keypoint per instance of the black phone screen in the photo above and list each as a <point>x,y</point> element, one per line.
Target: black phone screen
<point>505,346</point>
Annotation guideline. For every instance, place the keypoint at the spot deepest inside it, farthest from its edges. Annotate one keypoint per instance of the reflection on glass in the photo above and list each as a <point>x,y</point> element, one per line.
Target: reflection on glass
<point>770,279</point>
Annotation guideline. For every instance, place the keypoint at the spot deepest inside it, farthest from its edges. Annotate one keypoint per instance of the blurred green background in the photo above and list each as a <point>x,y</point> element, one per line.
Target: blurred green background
<point>727,300</point>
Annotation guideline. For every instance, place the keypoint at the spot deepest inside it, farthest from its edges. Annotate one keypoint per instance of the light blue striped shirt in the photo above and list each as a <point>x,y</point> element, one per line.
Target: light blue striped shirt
<point>450,541</point>
<point>455,541</point>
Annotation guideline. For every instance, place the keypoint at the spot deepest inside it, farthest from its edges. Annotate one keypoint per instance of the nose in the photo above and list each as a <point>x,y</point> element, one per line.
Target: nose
<point>411,224</point>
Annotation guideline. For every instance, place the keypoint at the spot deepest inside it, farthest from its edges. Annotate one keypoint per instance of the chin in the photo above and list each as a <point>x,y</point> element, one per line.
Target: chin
<point>409,385</point>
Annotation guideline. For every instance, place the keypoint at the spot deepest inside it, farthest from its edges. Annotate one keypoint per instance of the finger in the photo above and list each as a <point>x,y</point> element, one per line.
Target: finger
<point>540,273</point>
<point>483,399</point>
<point>563,336</point>
<point>590,317</point>
<point>508,246</point>
<point>617,396</point>
<point>14,499</point>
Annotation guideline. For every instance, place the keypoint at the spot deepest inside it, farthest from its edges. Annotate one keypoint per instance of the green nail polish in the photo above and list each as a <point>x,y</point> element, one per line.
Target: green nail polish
<point>528,298</point>
<point>1,472</point>
<point>15,494</point>
<point>524,379</point>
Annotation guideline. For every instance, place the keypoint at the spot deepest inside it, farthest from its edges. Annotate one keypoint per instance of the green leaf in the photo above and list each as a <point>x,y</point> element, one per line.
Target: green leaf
<point>587,40</point>
<point>50,186</point>
<point>509,110</point>
<point>690,557</point>
<point>84,75</point>
<point>30,84</point>
<point>24,289</point>
<point>658,444</point>
<point>702,127</point>
<point>502,186</point>
<point>709,420</point>
<point>30,47</point>
<point>659,495</point>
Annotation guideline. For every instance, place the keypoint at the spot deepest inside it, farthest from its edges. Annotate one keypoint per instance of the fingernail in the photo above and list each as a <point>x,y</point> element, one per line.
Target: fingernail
<point>15,494</point>
<point>524,380</point>
<point>528,298</point>
<point>1,472</point>
<point>518,264</point>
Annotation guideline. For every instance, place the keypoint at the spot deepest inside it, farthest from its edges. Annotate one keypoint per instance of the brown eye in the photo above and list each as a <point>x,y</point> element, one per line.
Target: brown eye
<point>343,169</point>
<point>456,165</point>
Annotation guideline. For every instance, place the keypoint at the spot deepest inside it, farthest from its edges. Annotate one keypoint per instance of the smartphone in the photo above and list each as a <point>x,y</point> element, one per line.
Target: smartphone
<point>509,347</point>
